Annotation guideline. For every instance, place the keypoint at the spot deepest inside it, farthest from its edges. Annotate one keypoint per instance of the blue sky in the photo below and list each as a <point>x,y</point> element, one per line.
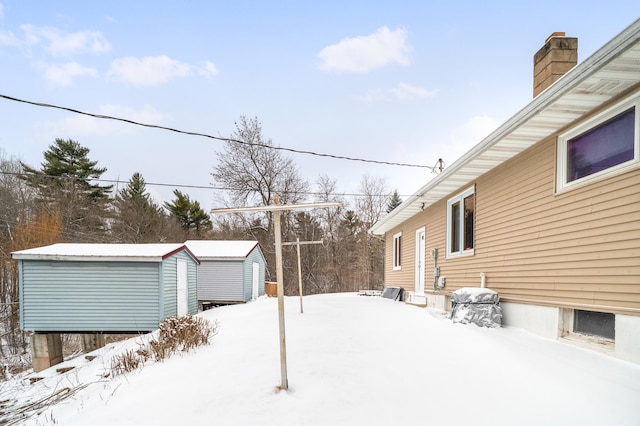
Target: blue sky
<point>402,81</point>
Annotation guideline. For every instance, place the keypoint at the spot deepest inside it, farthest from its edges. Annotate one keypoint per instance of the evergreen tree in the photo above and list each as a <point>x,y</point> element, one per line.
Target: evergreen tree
<point>138,218</point>
<point>394,201</point>
<point>188,214</point>
<point>64,183</point>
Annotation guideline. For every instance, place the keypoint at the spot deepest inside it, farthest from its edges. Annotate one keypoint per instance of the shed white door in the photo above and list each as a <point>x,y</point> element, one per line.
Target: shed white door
<point>182,292</point>
<point>256,281</point>
<point>420,260</point>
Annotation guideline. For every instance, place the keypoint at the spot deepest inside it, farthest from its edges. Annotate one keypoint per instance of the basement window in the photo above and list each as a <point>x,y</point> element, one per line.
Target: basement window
<point>600,324</point>
<point>397,251</point>
<point>606,144</point>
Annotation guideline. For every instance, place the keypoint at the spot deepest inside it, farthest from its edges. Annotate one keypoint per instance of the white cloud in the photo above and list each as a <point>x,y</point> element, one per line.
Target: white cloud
<point>59,43</point>
<point>463,138</point>
<point>9,39</point>
<point>210,68</point>
<point>402,92</point>
<point>83,125</point>
<point>63,75</point>
<point>148,71</point>
<point>365,53</point>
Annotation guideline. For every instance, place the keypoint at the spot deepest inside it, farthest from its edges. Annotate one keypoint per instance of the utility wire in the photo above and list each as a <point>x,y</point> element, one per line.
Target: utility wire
<point>205,135</point>
<point>215,188</point>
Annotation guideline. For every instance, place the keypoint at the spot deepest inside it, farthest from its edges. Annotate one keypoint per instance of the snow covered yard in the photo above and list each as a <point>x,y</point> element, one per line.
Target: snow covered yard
<point>351,360</point>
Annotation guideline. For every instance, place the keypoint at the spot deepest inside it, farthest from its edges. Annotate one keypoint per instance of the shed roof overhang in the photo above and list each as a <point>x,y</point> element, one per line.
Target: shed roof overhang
<point>611,71</point>
<point>103,252</point>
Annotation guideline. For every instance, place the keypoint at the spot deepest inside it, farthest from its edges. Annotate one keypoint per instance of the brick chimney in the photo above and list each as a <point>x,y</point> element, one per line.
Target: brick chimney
<point>558,55</point>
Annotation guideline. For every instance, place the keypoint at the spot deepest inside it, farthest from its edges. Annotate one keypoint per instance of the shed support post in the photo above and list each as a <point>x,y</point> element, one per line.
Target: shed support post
<point>46,350</point>
<point>92,341</point>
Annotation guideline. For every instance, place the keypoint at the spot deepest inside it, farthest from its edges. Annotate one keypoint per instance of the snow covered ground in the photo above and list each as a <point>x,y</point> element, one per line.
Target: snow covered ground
<point>352,360</point>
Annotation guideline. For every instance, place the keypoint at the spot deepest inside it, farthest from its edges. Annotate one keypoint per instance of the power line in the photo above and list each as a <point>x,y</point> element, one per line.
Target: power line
<point>205,135</point>
<point>210,187</point>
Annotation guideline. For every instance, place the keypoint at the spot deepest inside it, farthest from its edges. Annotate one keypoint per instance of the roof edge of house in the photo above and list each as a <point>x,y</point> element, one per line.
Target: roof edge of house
<point>572,78</point>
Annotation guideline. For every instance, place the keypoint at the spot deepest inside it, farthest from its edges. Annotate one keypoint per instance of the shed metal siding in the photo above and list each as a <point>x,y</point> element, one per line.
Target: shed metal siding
<point>170,284</point>
<point>254,256</point>
<point>89,296</point>
<point>221,280</point>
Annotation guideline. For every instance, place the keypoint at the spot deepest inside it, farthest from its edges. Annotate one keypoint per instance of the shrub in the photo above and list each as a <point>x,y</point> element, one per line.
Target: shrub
<point>174,334</point>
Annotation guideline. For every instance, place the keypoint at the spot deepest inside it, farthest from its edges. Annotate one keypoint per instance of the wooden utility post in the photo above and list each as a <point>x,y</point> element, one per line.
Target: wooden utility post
<point>297,243</point>
<point>276,209</point>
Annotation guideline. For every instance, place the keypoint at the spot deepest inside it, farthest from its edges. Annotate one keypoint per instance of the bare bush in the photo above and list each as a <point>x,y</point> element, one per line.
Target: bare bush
<point>175,334</point>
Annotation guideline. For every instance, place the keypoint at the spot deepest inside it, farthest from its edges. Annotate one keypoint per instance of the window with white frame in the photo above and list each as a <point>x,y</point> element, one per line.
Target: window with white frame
<point>461,223</point>
<point>604,145</point>
<point>397,251</point>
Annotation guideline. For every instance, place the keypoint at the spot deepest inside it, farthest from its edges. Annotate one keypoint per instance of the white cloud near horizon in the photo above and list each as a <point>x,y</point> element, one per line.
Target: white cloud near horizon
<point>365,53</point>
<point>63,74</point>
<point>402,92</point>
<point>59,43</point>
<point>148,71</point>
<point>83,125</point>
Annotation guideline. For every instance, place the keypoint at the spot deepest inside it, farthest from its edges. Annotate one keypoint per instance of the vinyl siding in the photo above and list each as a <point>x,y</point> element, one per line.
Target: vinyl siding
<point>579,248</point>
<point>89,296</point>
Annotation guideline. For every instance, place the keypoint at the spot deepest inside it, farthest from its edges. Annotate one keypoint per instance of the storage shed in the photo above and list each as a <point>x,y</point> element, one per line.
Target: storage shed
<point>230,271</point>
<point>80,288</point>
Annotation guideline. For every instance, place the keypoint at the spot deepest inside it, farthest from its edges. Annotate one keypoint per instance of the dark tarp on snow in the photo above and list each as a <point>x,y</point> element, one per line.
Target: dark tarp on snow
<point>393,293</point>
<point>480,306</point>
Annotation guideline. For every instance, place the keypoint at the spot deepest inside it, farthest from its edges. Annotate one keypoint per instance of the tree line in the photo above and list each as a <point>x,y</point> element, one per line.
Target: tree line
<point>64,201</point>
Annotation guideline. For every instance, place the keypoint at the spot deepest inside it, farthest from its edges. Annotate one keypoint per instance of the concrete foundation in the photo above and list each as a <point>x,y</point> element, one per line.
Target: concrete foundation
<point>46,351</point>
<point>554,323</point>
<point>92,341</point>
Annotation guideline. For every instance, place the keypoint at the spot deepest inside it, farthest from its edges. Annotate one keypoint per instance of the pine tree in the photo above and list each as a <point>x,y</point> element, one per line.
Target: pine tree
<point>188,214</point>
<point>394,201</point>
<point>138,218</point>
<point>64,183</point>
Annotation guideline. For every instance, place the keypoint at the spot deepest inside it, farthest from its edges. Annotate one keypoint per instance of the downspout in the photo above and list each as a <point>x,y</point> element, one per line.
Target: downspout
<point>483,279</point>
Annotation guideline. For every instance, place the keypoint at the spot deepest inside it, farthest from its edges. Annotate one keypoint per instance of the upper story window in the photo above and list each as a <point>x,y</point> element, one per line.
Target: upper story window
<point>461,223</point>
<point>606,144</point>
<point>397,251</point>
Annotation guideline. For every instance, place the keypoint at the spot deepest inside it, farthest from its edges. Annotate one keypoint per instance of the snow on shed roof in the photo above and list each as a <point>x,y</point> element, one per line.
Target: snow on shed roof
<point>103,252</point>
<point>206,249</point>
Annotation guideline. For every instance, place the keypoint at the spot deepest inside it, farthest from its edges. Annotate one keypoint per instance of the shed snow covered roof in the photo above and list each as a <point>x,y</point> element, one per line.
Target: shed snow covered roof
<point>208,249</point>
<point>103,252</point>
<point>609,72</point>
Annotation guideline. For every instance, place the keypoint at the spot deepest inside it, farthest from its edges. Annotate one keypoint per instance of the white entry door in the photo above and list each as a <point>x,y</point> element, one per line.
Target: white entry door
<point>420,260</point>
<point>255,288</point>
<point>182,290</point>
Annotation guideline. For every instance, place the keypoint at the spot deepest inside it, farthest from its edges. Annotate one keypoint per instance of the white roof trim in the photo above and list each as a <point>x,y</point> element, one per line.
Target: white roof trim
<point>102,252</point>
<point>221,249</point>
<point>609,72</point>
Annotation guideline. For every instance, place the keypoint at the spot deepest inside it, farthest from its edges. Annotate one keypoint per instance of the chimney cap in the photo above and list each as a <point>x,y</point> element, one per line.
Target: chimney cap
<point>555,34</point>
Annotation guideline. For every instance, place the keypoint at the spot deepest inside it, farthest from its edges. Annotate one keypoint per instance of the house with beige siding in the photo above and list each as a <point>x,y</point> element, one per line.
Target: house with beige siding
<point>545,210</point>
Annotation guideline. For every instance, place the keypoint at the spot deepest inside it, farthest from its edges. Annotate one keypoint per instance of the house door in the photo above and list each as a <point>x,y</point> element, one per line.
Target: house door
<point>420,260</point>
<point>182,289</point>
<point>256,281</point>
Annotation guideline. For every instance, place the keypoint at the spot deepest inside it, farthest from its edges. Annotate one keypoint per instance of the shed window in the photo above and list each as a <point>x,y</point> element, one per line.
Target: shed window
<point>397,251</point>
<point>600,324</point>
<point>605,144</point>
<point>461,223</point>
